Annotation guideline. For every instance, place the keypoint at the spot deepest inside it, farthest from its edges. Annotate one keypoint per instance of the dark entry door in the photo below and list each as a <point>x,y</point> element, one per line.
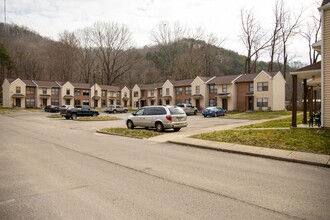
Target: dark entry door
<point>250,103</point>
<point>198,104</point>
<point>96,103</point>
<point>44,102</point>
<point>225,104</point>
<point>18,102</point>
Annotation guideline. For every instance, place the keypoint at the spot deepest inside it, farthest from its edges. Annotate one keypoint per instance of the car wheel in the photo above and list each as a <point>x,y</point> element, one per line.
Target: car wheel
<point>125,111</point>
<point>205,116</point>
<point>94,114</point>
<point>195,112</point>
<point>67,117</point>
<point>159,127</point>
<point>176,129</point>
<point>130,124</point>
<point>114,111</point>
<point>74,116</point>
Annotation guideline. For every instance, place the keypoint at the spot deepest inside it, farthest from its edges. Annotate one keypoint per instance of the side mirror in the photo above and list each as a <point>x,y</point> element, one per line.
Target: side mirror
<point>134,113</point>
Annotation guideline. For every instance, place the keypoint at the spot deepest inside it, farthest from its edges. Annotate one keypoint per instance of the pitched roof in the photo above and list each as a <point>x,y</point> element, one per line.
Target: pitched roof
<point>184,82</point>
<point>29,82</point>
<point>314,66</point>
<point>150,86</point>
<point>10,80</point>
<point>205,78</point>
<point>223,79</point>
<point>81,85</point>
<point>45,83</point>
<point>324,2</point>
<point>247,77</point>
<point>110,88</point>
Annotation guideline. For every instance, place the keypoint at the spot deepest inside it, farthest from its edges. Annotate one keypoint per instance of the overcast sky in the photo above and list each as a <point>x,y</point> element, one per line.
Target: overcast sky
<point>220,17</point>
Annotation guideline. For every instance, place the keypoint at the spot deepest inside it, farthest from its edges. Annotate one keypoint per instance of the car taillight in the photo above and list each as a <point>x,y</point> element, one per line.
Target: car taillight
<point>169,117</point>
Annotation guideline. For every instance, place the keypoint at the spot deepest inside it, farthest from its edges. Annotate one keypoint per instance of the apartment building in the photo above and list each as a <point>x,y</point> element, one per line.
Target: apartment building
<point>37,94</point>
<point>262,91</point>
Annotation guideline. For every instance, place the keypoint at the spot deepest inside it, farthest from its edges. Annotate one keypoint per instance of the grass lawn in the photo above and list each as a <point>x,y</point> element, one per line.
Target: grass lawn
<point>54,116</point>
<point>306,140</point>
<point>280,123</point>
<point>136,133</point>
<point>258,115</point>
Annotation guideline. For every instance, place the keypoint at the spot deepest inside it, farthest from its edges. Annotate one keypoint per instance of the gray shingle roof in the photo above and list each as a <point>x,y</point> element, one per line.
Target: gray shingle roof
<point>184,82</point>
<point>81,85</point>
<point>48,84</point>
<point>247,77</point>
<point>223,79</point>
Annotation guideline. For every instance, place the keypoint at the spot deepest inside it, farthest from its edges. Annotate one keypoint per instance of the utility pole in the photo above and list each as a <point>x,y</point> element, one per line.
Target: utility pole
<point>4,10</point>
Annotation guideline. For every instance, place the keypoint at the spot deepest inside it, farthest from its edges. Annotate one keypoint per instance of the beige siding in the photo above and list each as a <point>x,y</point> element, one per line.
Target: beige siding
<point>39,99</point>
<point>168,85</point>
<point>6,100</point>
<point>135,100</point>
<point>12,90</point>
<point>263,77</point>
<point>95,91</point>
<point>278,92</point>
<point>203,91</point>
<point>326,68</point>
<point>63,89</point>
<point>126,91</point>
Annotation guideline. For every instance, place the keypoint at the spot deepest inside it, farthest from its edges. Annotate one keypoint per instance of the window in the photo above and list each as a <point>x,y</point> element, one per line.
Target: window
<point>188,90</point>
<point>152,93</point>
<point>213,102</point>
<point>224,88</point>
<point>167,91</point>
<point>154,111</point>
<point>125,94</point>
<point>30,102</point>
<point>55,91</point>
<point>160,92</point>
<point>198,89</point>
<point>29,90</point>
<point>262,102</point>
<point>86,92</point>
<point>55,102</point>
<point>77,102</point>
<point>86,102</point>
<point>251,89</point>
<point>178,91</point>
<point>96,93</point>
<point>262,86</point>
<point>136,94</point>
<point>118,94</point>
<point>76,92</point>
<point>213,89</point>
<point>68,91</point>
<point>18,89</point>
<point>103,93</point>
<point>44,91</point>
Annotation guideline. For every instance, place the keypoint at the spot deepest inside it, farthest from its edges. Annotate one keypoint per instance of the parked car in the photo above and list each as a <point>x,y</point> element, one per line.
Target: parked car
<point>115,109</point>
<point>214,112</point>
<point>70,112</point>
<point>188,108</point>
<point>158,117</point>
<point>52,108</point>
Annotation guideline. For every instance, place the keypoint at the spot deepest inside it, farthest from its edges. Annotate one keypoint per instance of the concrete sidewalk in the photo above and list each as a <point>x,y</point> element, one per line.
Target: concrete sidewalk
<point>183,138</point>
<point>284,155</point>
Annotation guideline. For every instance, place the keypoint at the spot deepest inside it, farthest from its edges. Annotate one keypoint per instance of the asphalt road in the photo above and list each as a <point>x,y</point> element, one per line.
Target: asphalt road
<point>63,169</point>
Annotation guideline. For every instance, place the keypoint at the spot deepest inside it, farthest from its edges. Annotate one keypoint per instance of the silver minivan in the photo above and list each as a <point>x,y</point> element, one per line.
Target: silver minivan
<point>158,117</point>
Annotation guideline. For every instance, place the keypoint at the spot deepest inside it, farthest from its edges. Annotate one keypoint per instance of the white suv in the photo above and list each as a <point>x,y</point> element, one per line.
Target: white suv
<point>159,117</point>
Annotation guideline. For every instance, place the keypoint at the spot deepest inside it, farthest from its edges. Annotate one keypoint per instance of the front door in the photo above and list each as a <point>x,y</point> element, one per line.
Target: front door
<point>18,103</point>
<point>96,103</point>
<point>224,104</point>
<point>250,103</point>
<point>198,104</point>
<point>44,102</point>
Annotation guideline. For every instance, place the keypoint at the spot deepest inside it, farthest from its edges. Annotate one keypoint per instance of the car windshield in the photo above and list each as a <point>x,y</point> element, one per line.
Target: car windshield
<point>176,111</point>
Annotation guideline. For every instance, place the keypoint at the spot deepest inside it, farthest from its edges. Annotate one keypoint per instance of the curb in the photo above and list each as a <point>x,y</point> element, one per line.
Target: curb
<point>327,165</point>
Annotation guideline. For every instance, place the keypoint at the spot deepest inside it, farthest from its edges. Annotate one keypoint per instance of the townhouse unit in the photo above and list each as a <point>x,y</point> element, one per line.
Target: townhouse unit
<point>37,94</point>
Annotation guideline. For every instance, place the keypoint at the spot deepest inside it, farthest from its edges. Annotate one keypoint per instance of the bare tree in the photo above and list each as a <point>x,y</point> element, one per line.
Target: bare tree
<point>86,54</point>
<point>114,49</point>
<point>289,28</point>
<point>311,34</point>
<point>275,33</point>
<point>253,37</point>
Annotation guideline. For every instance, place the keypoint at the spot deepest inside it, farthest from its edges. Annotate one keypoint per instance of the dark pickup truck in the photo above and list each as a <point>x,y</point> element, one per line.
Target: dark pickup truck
<point>81,111</point>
